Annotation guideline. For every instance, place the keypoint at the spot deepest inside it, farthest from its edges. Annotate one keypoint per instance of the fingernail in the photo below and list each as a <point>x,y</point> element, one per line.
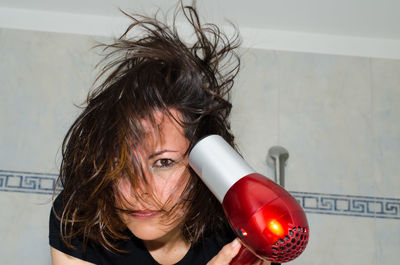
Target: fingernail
<point>235,242</point>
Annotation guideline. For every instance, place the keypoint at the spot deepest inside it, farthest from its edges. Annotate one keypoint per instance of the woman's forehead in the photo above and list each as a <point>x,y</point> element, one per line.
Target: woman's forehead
<point>161,118</point>
<point>164,131</point>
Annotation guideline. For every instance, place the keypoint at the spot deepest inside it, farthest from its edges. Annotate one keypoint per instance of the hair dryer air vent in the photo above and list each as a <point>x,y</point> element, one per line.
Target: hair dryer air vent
<point>291,246</point>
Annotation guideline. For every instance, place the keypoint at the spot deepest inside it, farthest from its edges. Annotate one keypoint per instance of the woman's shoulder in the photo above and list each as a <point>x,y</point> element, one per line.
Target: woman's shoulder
<point>55,235</point>
<point>130,251</point>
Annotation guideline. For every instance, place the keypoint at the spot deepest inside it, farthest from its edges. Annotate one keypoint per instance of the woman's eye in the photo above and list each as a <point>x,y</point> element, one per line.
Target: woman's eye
<point>163,163</point>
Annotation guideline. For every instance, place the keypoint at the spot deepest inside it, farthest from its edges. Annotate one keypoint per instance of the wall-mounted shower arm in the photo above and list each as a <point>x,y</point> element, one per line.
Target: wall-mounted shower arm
<point>276,158</point>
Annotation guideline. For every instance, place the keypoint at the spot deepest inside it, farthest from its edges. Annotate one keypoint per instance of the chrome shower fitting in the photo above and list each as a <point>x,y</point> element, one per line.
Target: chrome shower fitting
<point>276,158</point>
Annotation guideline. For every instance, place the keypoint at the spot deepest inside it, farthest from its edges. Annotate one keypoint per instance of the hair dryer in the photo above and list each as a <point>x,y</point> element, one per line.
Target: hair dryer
<point>267,219</point>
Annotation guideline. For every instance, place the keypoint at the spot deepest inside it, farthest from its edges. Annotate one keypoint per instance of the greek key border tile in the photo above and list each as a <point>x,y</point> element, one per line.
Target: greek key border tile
<point>312,203</point>
<point>349,205</point>
<point>28,182</point>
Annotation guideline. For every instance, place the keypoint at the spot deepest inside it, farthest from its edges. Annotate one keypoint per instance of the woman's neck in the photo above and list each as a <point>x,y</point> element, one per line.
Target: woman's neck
<point>168,249</point>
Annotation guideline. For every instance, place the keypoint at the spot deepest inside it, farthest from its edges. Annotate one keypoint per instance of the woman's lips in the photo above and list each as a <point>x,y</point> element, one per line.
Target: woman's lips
<point>145,214</point>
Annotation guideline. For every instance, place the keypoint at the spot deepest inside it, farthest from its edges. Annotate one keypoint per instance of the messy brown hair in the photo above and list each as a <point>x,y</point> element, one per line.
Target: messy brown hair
<point>153,70</point>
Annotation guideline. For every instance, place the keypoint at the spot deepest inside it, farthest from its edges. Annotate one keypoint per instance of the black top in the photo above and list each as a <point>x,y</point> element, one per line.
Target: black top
<point>136,251</point>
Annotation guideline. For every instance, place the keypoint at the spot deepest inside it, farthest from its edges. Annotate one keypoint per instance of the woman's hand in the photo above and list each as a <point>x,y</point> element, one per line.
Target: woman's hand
<point>228,252</point>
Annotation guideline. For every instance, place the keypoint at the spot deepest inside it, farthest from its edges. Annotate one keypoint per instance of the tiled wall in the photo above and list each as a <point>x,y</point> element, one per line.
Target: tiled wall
<point>337,116</point>
<point>42,76</point>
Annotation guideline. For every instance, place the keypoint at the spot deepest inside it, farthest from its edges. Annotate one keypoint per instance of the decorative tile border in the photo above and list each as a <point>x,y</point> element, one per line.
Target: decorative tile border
<point>319,203</point>
<point>349,205</point>
<point>28,182</point>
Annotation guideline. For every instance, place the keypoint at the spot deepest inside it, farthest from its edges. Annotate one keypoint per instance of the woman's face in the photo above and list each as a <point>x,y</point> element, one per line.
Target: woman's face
<point>165,168</point>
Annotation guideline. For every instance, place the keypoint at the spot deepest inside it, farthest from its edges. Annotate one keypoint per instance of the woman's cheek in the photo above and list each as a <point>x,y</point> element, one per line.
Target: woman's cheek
<point>171,184</point>
<point>124,187</point>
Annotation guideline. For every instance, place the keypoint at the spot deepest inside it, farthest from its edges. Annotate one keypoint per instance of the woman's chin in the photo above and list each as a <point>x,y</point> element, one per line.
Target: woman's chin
<point>150,232</point>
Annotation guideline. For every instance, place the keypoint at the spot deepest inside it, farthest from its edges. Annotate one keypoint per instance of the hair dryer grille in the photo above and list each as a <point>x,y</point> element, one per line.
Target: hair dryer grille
<point>290,246</point>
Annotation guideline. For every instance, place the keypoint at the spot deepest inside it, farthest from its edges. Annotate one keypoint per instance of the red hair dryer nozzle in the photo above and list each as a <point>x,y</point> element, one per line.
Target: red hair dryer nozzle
<point>267,219</point>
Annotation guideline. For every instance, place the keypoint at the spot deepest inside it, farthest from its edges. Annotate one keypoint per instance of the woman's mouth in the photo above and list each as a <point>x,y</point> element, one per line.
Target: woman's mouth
<point>144,214</point>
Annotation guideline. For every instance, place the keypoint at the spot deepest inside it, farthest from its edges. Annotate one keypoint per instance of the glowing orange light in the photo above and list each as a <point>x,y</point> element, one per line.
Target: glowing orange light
<point>276,228</point>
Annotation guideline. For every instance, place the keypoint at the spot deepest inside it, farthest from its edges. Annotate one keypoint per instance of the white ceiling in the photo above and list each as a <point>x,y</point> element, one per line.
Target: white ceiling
<point>374,21</point>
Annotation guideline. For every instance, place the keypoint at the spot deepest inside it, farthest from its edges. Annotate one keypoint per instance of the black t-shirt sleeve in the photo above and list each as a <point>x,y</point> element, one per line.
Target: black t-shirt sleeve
<point>56,241</point>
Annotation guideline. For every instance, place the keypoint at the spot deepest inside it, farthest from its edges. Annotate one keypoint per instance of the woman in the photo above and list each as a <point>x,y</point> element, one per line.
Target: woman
<point>129,195</point>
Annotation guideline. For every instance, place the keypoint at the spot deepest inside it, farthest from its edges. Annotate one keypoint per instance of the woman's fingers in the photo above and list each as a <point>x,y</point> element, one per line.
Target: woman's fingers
<point>226,254</point>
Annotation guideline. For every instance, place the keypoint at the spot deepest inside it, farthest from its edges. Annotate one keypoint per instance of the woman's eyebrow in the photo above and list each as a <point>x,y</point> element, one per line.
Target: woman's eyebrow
<point>161,152</point>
